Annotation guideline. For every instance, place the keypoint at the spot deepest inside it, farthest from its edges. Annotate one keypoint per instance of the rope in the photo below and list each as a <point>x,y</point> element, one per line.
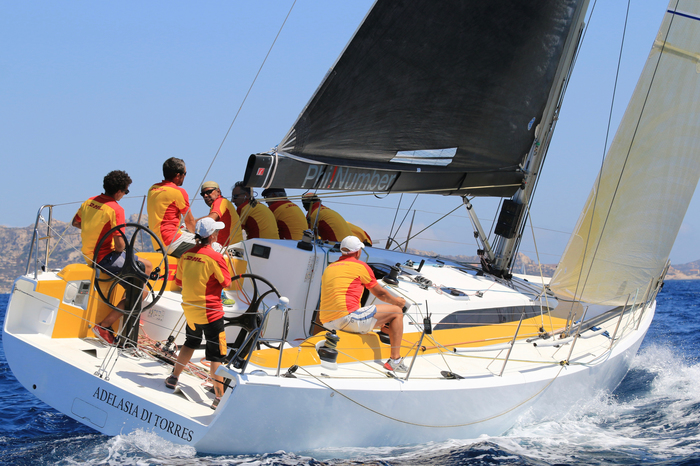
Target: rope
<point>478,421</point>
<point>245,97</point>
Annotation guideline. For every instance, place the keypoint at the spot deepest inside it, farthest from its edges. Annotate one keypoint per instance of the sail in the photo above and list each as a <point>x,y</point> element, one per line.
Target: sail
<point>431,97</point>
<point>630,221</point>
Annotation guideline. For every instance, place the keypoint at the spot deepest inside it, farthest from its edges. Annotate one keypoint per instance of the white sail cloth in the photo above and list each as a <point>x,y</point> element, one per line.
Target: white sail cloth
<point>625,233</point>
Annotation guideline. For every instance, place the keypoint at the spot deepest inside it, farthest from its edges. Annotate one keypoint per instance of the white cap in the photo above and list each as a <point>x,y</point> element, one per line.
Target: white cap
<point>206,226</point>
<point>350,244</point>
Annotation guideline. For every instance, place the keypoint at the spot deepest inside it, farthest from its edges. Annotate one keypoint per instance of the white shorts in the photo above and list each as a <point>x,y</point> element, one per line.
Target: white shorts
<point>359,321</point>
<point>181,245</point>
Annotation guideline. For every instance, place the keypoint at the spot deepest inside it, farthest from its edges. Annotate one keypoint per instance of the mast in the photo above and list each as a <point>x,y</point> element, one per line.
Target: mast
<point>511,221</point>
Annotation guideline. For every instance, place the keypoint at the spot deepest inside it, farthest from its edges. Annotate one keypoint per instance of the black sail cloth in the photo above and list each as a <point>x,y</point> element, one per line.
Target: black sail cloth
<point>428,96</point>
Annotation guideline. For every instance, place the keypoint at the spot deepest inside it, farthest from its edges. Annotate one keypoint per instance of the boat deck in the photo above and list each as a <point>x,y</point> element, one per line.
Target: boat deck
<point>134,372</point>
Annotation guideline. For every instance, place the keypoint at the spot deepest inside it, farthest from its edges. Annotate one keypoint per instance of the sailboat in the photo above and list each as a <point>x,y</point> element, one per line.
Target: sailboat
<point>456,99</point>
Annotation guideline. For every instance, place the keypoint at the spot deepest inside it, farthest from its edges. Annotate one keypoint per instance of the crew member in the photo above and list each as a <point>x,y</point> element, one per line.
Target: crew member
<point>342,285</point>
<point>257,219</point>
<point>94,218</point>
<point>202,273</point>
<point>167,205</point>
<point>291,221</point>
<point>222,211</point>
<point>329,224</point>
<point>361,234</point>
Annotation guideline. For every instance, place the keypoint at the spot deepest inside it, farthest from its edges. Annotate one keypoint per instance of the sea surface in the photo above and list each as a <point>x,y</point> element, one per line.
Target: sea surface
<point>652,418</point>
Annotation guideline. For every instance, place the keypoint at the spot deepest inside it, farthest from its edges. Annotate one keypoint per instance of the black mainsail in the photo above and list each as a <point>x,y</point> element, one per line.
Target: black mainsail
<point>428,96</point>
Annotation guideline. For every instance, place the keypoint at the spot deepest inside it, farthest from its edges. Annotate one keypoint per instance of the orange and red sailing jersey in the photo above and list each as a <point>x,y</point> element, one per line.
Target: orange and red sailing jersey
<point>97,216</point>
<point>258,221</point>
<point>360,234</point>
<point>291,221</point>
<point>167,203</point>
<point>202,273</point>
<point>342,285</point>
<point>331,226</point>
<point>232,232</point>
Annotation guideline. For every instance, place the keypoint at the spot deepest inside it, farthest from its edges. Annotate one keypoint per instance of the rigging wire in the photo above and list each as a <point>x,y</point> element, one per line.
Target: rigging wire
<point>392,238</point>
<point>246,96</point>
<point>391,230</point>
<point>624,165</point>
<point>436,221</point>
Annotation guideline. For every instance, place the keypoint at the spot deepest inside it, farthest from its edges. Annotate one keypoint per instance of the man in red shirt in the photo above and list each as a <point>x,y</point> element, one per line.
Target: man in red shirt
<point>94,218</point>
<point>329,224</point>
<point>291,221</point>
<point>257,219</point>
<point>361,234</point>
<point>221,210</point>
<point>342,285</point>
<point>203,273</point>
<point>167,205</point>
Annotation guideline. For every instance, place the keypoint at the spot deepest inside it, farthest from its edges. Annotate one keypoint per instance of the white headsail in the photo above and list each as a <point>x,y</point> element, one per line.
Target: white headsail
<point>624,235</point>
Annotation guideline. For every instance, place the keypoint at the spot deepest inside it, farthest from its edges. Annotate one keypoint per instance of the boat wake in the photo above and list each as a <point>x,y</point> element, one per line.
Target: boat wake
<point>653,416</point>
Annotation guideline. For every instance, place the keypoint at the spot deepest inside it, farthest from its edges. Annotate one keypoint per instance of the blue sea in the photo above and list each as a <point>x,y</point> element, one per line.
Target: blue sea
<point>652,418</point>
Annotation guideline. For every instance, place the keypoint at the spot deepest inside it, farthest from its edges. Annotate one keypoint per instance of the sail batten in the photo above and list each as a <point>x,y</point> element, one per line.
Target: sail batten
<point>625,233</point>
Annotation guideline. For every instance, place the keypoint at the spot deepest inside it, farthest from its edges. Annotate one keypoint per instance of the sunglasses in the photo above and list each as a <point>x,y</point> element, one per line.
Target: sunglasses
<point>126,192</point>
<point>207,192</point>
<point>236,196</point>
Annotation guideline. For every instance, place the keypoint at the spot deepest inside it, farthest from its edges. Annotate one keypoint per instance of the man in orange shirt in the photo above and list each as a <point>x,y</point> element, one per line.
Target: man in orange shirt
<point>221,210</point>
<point>361,234</point>
<point>291,221</point>
<point>257,219</point>
<point>167,205</point>
<point>327,223</point>
<point>342,285</point>
<point>203,273</point>
<point>94,218</point>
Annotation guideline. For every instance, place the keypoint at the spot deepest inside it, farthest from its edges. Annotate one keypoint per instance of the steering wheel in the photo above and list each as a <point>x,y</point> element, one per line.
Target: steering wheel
<point>251,318</point>
<point>256,300</point>
<point>131,268</point>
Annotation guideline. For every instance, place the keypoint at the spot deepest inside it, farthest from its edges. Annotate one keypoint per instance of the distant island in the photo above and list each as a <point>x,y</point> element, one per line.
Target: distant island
<point>14,248</point>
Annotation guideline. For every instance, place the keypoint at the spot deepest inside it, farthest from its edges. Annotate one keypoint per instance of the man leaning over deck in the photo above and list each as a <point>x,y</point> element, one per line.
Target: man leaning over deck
<point>167,204</point>
<point>342,285</point>
<point>94,218</point>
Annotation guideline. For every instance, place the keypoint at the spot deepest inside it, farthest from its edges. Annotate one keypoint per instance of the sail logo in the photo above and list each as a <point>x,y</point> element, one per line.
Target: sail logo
<point>346,178</point>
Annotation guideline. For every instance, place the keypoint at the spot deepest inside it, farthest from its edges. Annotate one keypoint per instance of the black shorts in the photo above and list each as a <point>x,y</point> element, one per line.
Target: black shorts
<point>213,334</point>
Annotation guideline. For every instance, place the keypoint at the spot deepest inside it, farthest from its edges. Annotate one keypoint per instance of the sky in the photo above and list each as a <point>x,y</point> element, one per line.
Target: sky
<point>87,87</point>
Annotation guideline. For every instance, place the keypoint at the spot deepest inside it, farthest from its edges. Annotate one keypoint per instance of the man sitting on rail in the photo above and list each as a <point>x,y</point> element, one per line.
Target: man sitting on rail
<point>257,219</point>
<point>291,221</point>
<point>327,223</point>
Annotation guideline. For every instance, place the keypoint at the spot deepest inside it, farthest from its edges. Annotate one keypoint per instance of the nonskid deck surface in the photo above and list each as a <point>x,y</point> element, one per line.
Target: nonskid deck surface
<point>135,372</point>
<point>435,361</point>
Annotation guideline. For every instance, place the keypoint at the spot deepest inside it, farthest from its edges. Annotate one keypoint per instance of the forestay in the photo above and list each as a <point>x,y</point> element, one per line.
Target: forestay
<point>633,214</point>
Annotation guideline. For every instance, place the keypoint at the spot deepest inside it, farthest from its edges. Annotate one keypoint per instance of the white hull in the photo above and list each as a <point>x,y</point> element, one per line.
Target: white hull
<point>358,405</point>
